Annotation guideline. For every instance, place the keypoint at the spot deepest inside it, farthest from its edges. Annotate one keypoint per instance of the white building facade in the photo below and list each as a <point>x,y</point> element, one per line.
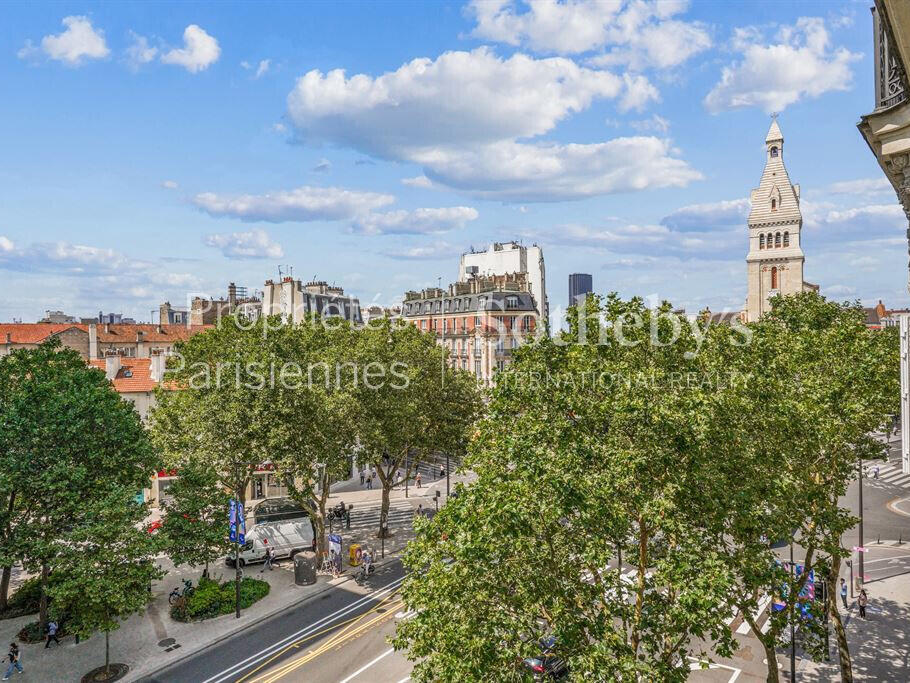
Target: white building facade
<point>510,257</point>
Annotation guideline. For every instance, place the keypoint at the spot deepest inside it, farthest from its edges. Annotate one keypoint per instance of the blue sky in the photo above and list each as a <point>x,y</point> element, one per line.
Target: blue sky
<point>153,151</point>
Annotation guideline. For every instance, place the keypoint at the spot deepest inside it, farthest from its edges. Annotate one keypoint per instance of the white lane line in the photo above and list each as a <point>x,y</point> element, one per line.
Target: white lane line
<point>762,603</point>
<point>271,649</point>
<point>367,666</point>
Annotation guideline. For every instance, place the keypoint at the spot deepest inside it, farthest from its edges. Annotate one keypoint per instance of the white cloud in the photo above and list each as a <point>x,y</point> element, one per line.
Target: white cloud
<point>418,221</point>
<point>636,32</point>
<point>140,52</point>
<point>551,172</point>
<point>462,115</point>
<point>774,75</point>
<point>301,204</point>
<point>170,184</point>
<point>262,68</point>
<point>862,186</point>
<point>80,41</point>
<point>656,123</point>
<point>873,218</point>
<point>6,244</point>
<point>839,290</point>
<point>417,181</point>
<point>279,128</point>
<point>322,166</point>
<point>709,216</point>
<point>430,252</point>
<point>638,92</point>
<point>254,244</point>
<point>199,51</point>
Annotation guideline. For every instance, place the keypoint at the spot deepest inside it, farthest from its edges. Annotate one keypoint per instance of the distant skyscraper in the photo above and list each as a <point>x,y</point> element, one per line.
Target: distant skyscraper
<point>580,284</point>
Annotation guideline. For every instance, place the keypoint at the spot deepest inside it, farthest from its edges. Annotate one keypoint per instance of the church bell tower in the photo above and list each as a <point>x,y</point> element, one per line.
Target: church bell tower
<point>775,259</point>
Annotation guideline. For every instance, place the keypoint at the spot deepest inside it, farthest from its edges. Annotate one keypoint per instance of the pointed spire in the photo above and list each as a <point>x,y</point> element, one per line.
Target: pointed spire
<point>774,134</point>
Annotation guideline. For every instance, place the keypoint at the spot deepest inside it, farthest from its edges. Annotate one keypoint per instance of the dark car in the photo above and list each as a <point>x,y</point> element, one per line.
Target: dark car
<point>547,665</point>
<point>277,510</point>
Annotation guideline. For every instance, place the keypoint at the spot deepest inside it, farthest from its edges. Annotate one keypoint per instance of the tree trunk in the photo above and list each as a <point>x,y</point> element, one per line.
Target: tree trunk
<point>321,545</point>
<point>7,571</point>
<point>640,591</point>
<point>42,603</point>
<point>384,510</point>
<point>843,651</point>
<point>107,653</point>
<point>242,501</point>
<point>773,670</point>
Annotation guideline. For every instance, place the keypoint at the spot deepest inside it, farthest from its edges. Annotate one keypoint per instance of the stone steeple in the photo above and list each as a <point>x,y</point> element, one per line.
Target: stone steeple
<point>775,259</point>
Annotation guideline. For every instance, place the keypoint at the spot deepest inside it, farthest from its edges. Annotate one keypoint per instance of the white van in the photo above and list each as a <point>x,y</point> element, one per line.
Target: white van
<point>285,538</point>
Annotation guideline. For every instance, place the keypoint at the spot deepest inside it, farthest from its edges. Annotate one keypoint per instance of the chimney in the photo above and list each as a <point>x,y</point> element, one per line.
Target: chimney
<point>111,366</point>
<point>9,338</point>
<point>92,341</point>
<point>156,367</point>
<point>107,328</point>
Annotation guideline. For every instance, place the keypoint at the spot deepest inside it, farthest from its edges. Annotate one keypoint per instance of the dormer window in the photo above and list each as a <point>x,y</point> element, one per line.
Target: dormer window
<point>774,151</point>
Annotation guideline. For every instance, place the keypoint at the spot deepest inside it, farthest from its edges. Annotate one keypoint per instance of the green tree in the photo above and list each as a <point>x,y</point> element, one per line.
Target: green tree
<point>68,440</point>
<point>408,403</point>
<point>110,566</point>
<point>585,470</point>
<point>195,527</point>
<point>227,404</point>
<point>823,383</point>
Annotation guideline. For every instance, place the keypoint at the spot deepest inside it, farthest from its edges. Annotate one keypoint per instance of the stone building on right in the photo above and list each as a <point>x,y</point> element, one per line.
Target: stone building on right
<point>775,259</point>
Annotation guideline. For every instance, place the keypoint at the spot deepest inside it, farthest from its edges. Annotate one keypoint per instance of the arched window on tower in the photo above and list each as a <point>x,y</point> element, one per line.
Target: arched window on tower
<point>774,205</point>
<point>774,151</point>
<point>786,239</point>
<point>774,278</point>
<point>777,240</point>
<point>761,241</point>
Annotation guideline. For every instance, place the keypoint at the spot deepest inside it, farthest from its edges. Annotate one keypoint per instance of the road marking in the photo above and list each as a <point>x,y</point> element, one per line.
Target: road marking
<point>696,666</point>
<point>762,604</point>
<point>367,666</point>
<point>267,651</point>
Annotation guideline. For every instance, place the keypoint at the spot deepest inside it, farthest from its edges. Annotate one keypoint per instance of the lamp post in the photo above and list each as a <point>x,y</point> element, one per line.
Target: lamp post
<point>792,600</point>
<point>862,574</point>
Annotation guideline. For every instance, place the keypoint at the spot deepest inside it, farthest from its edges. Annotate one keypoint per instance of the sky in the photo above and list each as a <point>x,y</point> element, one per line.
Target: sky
<point>157,151</point>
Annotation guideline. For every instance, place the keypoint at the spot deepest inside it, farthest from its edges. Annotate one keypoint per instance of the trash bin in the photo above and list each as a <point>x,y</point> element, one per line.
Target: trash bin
<point>304,569</point>
<point>354,555</point>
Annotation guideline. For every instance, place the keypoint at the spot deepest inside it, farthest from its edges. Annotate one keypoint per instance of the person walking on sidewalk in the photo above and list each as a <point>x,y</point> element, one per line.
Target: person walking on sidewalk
<point>843,593</point>
<point>269,556</point>
<point>362,476</point>
<point>417,479</point>
<point>369,482</point>
<point>13,657</point>
<point>51,634</point>
<point>398,479</point>
<point>862,601</point>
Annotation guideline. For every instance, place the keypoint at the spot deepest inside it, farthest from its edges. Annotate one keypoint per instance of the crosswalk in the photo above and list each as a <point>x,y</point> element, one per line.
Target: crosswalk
<point>889,473</point>
<point>400,514</point>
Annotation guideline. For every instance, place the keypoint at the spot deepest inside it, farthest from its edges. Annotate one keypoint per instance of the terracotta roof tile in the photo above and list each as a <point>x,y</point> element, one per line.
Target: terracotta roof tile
<point>33,333</point>
<point>140,371</point>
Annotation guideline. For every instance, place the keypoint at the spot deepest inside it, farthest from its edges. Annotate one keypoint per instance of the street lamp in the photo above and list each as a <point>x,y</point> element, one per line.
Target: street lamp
<point>862,574</point>
<point>792,599</point>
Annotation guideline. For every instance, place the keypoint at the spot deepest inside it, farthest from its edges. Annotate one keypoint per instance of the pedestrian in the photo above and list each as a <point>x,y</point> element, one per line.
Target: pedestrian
<point>417,478</point>
<point>362,476</point>
<point>398,479</point>
<point>420,510</point>
<point>862,601</point>
<point>13,657</point>
<point>370,482</point>
<point>843,592</point>
<point>442,472</point>
<point>269,556</point>
<point>51,634</point>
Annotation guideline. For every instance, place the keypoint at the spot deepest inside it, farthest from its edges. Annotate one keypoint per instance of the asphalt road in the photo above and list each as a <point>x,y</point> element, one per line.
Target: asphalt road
<point>324,639</point>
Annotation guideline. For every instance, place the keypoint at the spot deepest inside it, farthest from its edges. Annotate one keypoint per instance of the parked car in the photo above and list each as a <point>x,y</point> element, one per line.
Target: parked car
<point>276,510</point>
<point>547,665</point>
<point>285,538</point>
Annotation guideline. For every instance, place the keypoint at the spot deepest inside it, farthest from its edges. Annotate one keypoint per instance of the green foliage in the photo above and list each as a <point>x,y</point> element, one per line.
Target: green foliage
<point>211,599</point>
<point>25,600</point>
<point>195,527</point>
<point>67,439</point>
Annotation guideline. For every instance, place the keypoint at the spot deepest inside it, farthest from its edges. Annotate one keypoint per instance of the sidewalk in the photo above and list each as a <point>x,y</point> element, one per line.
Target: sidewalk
<point>879,645</point>
<point>151,640</point>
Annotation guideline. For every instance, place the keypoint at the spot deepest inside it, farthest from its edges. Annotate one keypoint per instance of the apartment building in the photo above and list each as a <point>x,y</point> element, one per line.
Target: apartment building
<point>296,300</point>
<point>510,257</point>
<point>95,341</point>
<point>479,322</point>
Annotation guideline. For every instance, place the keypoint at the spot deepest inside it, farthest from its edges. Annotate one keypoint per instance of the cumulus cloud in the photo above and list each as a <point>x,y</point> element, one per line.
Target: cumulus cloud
<point>862,186</point>
<point>301,204</point>
<point>635,32</point>
<point>6,245</point>
<point>170,185</point>
<point>254,244</point>
<point>80,41</point>
<point>140,52</point>
<point>773,75</point>
<point>199,51</point>
<point>656,123</point>
<point>417,181</point>
<point>467,118</point>
<point>865,221</point>
<point>418,221</point>
<point>708,216</point>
